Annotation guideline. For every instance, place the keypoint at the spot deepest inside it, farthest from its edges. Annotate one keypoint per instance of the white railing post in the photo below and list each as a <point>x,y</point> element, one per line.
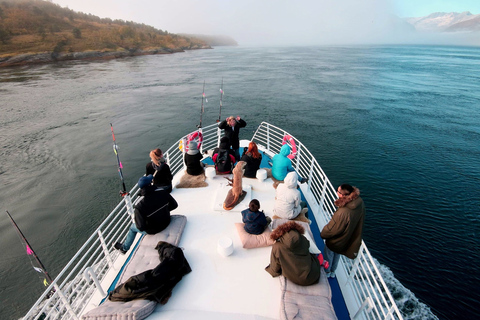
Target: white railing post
<point>90,275</point>
<point>310,174</point>
<point>297,167</point>
<point>366,303</point>
<point>355,266</point>
<point>219,135</point>
<point>64,299</point>
<point>268,136</point>
<point>105,249</point>
<point>128,203</point>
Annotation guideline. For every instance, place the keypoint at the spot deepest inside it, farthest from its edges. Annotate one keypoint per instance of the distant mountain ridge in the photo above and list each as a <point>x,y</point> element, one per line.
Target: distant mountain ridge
<point>446,22</point>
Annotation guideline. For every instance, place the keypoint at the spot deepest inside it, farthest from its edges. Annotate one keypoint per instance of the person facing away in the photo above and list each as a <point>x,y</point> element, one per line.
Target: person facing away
<point>288,201</point>
<point>152,213</point>
<point>252,159</point>
<point>291,256</point>
<point>231,126</point>
<point>254,219</point>
<point>223,157</point>
<point>193,160</point>
<point>281,164</point>
<point>158,167</point>
<point>343,234</point>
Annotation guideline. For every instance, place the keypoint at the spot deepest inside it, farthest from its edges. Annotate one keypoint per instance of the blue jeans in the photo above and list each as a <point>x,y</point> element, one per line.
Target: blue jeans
<point>332,259</point>
<point>132,232</point>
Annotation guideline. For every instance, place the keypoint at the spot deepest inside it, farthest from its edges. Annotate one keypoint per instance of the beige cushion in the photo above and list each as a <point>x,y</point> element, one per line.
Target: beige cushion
<point>250,241</point>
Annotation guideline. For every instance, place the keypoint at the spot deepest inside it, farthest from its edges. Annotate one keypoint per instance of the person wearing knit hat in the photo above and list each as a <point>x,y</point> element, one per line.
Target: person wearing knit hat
<point>158,167</point>
<point>193,160</point>
<point>152,213</point>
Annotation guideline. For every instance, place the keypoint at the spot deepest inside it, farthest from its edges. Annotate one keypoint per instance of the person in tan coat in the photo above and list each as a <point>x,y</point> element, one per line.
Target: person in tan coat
<point>291,257</point>
<point>343,234</point>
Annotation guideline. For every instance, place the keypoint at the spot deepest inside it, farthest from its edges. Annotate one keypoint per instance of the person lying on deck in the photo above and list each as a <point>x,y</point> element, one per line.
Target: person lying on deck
<point>152,213</point>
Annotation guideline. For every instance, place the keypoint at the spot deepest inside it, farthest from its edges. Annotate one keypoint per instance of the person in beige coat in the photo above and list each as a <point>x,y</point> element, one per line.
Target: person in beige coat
<point>343,234</point>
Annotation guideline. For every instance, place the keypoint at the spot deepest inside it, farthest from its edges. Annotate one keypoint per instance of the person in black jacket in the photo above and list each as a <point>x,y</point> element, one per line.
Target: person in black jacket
<point>158,167</point>
<point>193,159</point>
<point>252,158</point>
<point>155,284</point>
<point>152,213</point>
<point>231,126</point>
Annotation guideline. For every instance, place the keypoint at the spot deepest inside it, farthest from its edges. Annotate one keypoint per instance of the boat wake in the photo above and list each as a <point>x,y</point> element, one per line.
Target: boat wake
<point>408,304</point>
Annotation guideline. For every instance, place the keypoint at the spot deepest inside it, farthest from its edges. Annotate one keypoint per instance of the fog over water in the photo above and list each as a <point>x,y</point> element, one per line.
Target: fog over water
<point>276,23</point>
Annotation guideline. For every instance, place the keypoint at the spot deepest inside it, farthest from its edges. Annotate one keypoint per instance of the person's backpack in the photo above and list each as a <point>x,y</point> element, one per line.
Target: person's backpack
<point>223,163</point>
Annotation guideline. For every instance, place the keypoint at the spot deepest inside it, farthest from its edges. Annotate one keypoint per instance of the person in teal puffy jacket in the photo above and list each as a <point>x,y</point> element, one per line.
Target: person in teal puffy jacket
<point>281,165</point>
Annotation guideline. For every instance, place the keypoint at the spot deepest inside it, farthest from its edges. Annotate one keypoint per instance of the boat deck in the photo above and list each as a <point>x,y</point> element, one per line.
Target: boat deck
<point>233,287</point>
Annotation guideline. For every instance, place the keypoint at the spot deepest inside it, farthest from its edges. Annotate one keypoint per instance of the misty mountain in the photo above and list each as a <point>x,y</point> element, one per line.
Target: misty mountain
<point>446,22</point>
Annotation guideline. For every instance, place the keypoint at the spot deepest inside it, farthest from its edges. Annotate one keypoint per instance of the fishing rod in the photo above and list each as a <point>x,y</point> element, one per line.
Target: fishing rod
<point>221,99</point>
<point>201,110</point>
<point>40,268</point>
<point>120,166</point>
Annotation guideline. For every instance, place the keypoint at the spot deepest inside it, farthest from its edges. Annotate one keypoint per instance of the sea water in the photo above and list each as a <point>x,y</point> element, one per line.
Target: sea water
<point>402,123</point>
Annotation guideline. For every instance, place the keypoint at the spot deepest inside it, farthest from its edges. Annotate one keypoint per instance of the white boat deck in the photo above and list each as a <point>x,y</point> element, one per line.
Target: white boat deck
<point>233,287</point>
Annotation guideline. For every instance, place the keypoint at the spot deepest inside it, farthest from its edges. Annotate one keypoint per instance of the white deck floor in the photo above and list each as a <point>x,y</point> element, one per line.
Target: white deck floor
<point>233,287</point>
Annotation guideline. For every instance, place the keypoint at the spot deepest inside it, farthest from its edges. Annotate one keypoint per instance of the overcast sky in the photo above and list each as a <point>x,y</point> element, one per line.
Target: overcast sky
<point>275,22</point>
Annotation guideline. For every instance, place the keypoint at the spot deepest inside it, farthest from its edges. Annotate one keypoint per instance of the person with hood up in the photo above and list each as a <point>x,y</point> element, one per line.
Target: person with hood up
<point>291,257</point>
<point>231,126</point>
<point>152,213</point>
<point>288,204</point>
<point>223,157</point>
<point>193,160</point>
<point>281,164</point>
<point>158,167</point>
<point>343,234</point>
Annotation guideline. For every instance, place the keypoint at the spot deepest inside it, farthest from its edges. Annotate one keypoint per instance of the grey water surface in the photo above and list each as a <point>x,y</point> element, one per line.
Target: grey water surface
<point>402,123</point>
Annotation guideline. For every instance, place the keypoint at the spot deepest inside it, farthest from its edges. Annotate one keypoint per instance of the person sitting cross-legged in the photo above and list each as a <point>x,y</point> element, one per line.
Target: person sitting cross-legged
<point>152,213</point>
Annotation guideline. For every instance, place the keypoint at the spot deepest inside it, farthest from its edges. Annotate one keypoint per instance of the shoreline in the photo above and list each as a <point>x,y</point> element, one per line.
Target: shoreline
<point>51,57</point>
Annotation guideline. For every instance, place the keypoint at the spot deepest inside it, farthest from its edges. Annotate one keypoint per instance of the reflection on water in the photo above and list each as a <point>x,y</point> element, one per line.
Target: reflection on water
<point>401,123</point>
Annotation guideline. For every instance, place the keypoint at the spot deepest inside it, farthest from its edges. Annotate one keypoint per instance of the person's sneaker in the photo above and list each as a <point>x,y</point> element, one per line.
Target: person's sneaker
<point>331,274</point>
<point>303,180</point>
<point>119,247</point>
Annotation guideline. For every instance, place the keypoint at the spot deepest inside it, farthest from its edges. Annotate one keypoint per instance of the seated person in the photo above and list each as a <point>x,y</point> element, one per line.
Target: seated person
<point>223,157</point>
<point>254,219</point>
<point>152,213</point>
<point>291,257</point>
<point>281,164</point>
<point>252,158</point>
<point>193,160</point>
<point>288,204</point>
<point>158,167</point>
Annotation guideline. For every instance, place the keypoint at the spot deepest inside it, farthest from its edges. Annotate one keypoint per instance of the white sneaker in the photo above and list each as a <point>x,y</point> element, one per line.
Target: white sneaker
<point>331,274</point>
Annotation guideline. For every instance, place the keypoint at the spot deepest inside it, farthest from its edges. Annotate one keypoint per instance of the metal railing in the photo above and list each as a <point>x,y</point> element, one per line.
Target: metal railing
<point>365,292</point>
<point>81,278</point>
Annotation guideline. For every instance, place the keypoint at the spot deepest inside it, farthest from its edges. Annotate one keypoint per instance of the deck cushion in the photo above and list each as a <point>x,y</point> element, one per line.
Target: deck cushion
<point>306,302</point>
<point>250,241</point>
<point>144,258</point>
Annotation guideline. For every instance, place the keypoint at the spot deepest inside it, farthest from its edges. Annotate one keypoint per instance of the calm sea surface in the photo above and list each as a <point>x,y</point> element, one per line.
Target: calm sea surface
<point>402,123</point>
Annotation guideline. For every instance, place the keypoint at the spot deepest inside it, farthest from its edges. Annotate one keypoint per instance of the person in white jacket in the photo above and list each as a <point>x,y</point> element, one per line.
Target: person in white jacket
<point>288,201</point>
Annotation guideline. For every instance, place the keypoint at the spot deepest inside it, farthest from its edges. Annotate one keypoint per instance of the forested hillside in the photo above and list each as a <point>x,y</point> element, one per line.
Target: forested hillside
<point>38,26</point>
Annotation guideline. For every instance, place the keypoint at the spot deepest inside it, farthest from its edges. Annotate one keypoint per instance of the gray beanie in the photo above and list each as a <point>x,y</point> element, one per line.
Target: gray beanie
<point>192,148</point>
